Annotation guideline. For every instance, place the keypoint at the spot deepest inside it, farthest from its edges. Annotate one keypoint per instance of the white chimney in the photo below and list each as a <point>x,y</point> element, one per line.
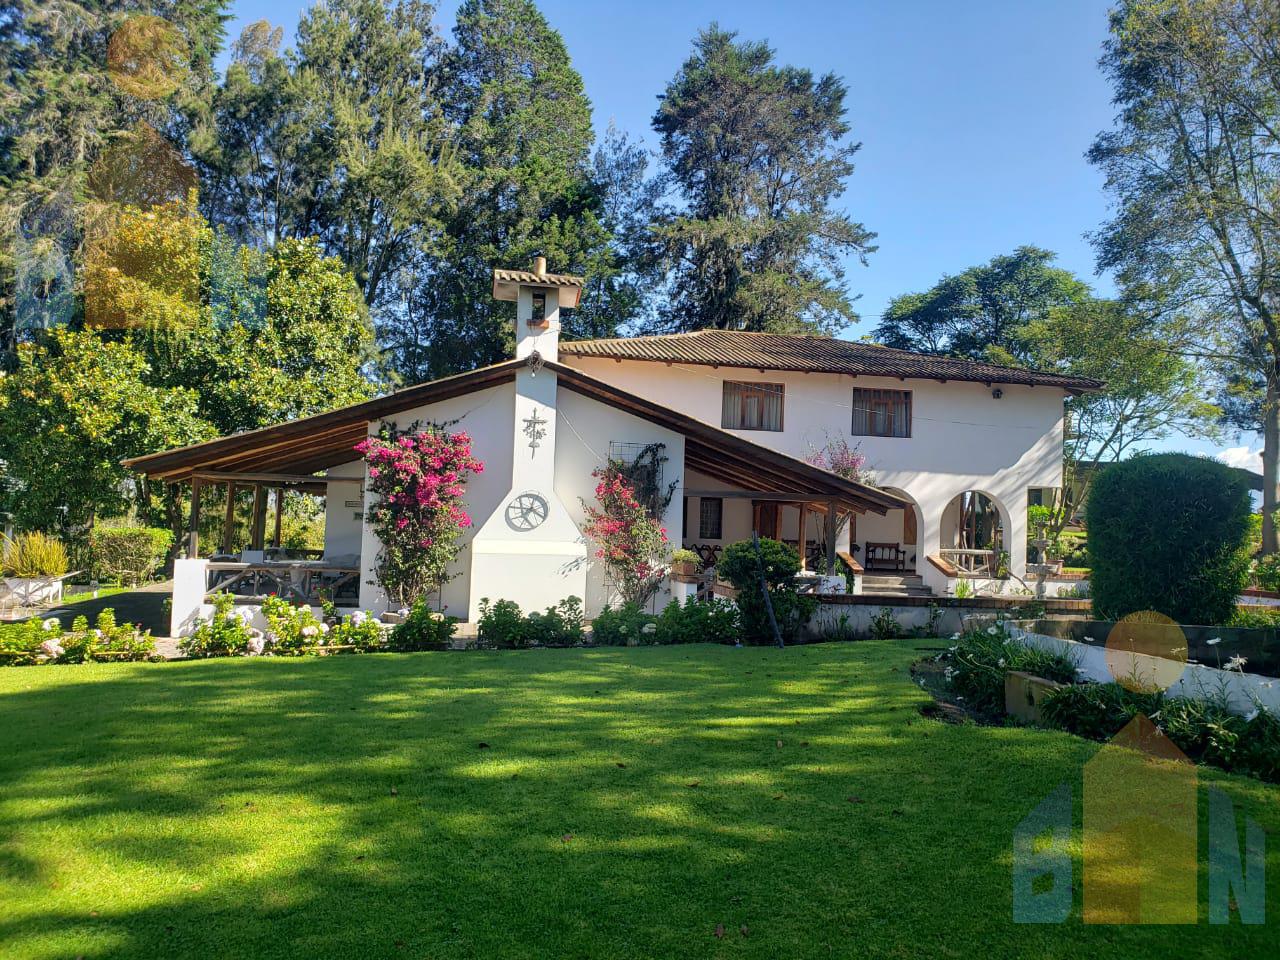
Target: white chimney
<point>530,550</point>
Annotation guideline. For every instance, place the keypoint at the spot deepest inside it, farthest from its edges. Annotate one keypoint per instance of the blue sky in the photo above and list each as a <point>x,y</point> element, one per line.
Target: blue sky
<point>974,118</point>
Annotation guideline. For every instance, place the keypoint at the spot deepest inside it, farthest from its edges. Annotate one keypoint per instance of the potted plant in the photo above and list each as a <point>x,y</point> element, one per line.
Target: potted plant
<point>33,566</point>
<point>685,563</point>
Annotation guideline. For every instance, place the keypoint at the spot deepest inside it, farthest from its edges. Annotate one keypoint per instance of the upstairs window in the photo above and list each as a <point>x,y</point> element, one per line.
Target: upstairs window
<point>752,406</point>
<point>881,413</point>
<point>710,518</point>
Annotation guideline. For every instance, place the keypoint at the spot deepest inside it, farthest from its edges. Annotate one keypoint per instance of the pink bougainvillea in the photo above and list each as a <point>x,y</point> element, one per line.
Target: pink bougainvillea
<point>841,459</point>
<point>417,481</point>
<point>632,544</point>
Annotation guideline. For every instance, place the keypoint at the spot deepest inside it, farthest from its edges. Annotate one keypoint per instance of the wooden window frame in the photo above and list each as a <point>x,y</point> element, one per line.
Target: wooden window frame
<point>879,397</point>
<point>719,519</point>
<point>763,390</point>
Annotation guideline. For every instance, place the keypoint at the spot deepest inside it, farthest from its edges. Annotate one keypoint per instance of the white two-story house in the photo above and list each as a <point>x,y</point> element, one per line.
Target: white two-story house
<point>952,452</point>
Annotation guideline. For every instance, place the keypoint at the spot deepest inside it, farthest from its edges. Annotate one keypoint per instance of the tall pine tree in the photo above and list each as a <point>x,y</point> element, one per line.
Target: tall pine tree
<point>524,131</point>
<point>758,157</point>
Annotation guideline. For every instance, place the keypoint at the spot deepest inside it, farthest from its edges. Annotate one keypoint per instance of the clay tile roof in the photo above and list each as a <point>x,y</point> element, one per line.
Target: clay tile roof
<point>813,354</point>
<point>542,279</point>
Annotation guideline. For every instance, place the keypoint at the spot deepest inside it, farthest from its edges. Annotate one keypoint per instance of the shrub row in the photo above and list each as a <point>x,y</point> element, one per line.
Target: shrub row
<point>293,630</point>
<point>1205,730</point>
<point>38,642</point>
<point>502,624</point>
<point>127,555</point>
<point>698,621</point>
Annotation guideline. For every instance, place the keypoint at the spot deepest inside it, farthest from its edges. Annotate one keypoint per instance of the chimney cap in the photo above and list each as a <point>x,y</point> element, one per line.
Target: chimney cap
<point>507,283</point>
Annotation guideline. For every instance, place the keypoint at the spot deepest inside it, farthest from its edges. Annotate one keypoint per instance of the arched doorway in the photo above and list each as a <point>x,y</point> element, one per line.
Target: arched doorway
<point>890,543</point>
<point>974,532</point>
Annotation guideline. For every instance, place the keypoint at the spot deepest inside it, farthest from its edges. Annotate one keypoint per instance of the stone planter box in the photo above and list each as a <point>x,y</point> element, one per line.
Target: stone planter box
<point>684,568</point>
<point>1023,694</point>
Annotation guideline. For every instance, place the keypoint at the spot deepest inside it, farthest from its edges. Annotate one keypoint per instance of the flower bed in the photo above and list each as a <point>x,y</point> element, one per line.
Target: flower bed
<point>35,642</point>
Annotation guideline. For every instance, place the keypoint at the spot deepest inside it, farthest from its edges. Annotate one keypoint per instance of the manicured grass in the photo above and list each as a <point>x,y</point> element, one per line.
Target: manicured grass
<point>628,802</point>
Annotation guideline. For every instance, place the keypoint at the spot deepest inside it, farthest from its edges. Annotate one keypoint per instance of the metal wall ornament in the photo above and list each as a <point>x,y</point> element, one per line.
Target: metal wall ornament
<point>527,511</point>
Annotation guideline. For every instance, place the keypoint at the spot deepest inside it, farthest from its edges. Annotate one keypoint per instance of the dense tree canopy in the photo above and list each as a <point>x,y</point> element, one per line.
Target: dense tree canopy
<point>1193,165</point>
<point>757,155</point>
<point>977,313</point>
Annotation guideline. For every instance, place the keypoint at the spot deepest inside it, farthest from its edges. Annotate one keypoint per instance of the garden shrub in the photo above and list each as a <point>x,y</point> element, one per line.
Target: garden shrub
<point>361,631</point>
<point>292,627</point>
<point>698,621</point>
<point>1097,711</point>
<point>1168,532</point>
<point>1260,618</point>
<point>127,555</point>
<point>1266,572</point>
<point>502,624</point>
<point>628,625</point>
<point>1205,730</point>
<point>34,555</point>
<point>421,629</point>
<point>224,634</point>
<point>742,566</point>
<point>979,659</point>
<point>44,641</point>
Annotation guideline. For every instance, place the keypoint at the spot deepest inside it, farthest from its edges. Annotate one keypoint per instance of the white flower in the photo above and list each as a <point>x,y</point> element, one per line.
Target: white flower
<point>1251,715</point>
<point>649,628</point>
<point>324,628</point>
<point>244,613</point>
<point>953,649</point>
<point>257,644</point>
<point>1236,662</point>
<point>51,648</point>
<point>358,617</point>
<point>992,631</point>
<point>955,636</point>
<point>310,630</point>
<point>1001,661</point>
<point>1214,642</point>
<point>51,624</point>
<point>1089,640</point>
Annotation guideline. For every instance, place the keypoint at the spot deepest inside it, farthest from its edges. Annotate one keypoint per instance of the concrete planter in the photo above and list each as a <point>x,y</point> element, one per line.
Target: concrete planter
<point>34,591</point>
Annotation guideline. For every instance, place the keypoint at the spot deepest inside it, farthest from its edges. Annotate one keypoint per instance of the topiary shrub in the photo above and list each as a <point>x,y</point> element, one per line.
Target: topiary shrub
<point>1168,532</point>
<point>742,567</point>
<point>127,555</point>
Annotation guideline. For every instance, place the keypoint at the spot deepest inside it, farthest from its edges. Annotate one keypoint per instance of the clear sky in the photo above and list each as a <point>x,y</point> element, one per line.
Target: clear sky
<point>974,117</point>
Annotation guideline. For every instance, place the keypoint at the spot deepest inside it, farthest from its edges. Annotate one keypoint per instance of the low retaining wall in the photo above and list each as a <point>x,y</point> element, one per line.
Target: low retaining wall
<point>852,614</point>
<point>1244,692</point>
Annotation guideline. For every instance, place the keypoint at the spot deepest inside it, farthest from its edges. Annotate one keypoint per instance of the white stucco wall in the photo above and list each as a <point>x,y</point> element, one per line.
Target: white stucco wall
<point>343,510</point>
<point>487,416</point>
<point>962,438</point>
<point>584,430</point>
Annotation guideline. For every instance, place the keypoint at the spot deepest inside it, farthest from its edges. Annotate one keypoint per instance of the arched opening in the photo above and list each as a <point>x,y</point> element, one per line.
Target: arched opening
<point>974,533</point>
<point>889,543</point>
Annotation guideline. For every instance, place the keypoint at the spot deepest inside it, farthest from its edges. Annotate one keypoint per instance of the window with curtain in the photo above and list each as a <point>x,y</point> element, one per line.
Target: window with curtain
<point>710,518</point>
<point>881,413</point>
<point>752,406</point>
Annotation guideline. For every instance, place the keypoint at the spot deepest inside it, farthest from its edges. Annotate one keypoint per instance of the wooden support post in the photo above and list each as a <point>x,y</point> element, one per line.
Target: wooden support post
<point>275,540</point>
<point>193,524</point>
<point>229,521</point>
<point>755,517</point>
<point>777,523</point>
<point>833,521</point>
<point>258,524</point>
<point>803,538</point>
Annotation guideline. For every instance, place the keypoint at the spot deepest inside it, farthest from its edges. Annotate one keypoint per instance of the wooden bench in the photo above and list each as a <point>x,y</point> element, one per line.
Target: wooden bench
<point>886,556</point>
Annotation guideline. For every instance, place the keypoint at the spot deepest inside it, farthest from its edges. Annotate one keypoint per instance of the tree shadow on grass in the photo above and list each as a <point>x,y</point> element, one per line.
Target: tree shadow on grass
<point>542,803</point>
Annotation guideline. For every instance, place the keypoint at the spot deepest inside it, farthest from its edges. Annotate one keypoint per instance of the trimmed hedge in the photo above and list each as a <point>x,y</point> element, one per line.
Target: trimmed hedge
<point>127,555</point>
<point>779,563</point>
<point>1168,532</point>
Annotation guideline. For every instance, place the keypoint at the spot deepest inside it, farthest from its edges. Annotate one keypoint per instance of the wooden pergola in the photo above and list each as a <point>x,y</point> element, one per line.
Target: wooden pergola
<point>261,484</point>
<point>805,505</point>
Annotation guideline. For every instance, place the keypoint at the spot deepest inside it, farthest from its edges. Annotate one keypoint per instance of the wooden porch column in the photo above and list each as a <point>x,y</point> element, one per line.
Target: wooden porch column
<point>229,521</point>
<point>803,537</point>
<point>193,524</point>
<point>257,527</point>
<point>833,521</point>
<point>777,522</point>
<point>275,540</point>
<point>755,517</point>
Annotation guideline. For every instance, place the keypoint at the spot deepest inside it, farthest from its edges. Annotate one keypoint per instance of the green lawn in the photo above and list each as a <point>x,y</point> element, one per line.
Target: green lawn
<point>628,802</point>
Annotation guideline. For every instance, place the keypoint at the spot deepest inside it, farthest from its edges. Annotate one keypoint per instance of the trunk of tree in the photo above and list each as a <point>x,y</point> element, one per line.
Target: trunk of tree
<point>1270,462</point>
